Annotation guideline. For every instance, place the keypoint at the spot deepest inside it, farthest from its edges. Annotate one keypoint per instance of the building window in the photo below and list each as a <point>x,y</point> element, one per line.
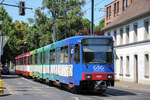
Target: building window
<point>121,66</point>
<point>146,66</point>
<point>135,32</point>
<point>123,5</point>
<point>109,12</point>
<point>146,26</point>
<point>121,36</point>
<point>127,65</point>
<point>127,34</point>
<point>115,38</point>
<point>115,9</point>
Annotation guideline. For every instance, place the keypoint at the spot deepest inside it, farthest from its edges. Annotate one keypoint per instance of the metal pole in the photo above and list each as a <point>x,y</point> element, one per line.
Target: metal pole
<point>92,18</point>
<point>2,48</point>
<point>1,40</point>
<point>54,30</point>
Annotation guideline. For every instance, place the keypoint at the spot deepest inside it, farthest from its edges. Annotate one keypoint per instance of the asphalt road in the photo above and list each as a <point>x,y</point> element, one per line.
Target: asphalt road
<point>19,88</point>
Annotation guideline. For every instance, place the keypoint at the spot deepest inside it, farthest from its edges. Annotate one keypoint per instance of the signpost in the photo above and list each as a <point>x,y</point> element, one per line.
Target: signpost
<point>3,40</point>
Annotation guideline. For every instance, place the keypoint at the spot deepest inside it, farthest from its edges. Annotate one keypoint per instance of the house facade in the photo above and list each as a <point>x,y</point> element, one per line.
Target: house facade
<point>131,33</point>
<point>115,8</point>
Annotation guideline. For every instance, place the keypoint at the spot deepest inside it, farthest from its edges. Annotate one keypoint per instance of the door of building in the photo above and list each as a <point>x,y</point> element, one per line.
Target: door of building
<point>136,68</point>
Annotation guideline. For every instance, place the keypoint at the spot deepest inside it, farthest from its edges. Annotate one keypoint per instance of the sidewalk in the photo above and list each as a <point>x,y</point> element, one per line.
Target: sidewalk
<point>132,86</point>
<point>5,90</point>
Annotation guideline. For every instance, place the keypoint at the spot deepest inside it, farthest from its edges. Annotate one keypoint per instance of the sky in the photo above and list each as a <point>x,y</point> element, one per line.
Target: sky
<point>98,9</point>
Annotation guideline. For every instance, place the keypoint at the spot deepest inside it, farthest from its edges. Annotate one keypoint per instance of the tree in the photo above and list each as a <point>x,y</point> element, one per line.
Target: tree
<point>68,14</point>
<point>40,32</point>
<point>101,24</point>
<point>17,33</point>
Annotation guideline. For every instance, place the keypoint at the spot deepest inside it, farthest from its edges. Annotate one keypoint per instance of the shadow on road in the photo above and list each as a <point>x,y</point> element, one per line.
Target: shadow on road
<point>3,95</point>
<point>117,92</point>
<point>109,93</point>
<point>11,75</point>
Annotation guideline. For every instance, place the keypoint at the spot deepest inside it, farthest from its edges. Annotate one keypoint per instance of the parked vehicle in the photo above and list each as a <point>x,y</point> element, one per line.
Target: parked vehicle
<point>5,70</point>
<point>79,63</point>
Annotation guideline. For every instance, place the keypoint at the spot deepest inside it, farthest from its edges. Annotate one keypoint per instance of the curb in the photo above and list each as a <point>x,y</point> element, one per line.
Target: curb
<point>1,91</point>
<point>1,88</point>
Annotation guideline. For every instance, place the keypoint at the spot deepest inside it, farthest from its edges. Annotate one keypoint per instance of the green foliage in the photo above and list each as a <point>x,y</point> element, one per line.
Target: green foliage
<point>16,31</point>
<point>40,32</point>
<point>66,14</point>
<point>101,24</point>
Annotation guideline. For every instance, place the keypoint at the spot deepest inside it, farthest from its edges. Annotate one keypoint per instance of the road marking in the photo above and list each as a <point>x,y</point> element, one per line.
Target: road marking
<point>76,98</point>
<point>28,80</point>
<point>36,83</point>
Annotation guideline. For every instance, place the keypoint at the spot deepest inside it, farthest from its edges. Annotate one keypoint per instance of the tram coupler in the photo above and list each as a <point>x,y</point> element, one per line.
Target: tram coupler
<point>100,85</point>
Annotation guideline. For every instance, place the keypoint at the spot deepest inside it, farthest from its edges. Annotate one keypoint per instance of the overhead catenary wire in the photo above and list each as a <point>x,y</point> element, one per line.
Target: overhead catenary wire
<point>99,18</point>
<point>95,5</point>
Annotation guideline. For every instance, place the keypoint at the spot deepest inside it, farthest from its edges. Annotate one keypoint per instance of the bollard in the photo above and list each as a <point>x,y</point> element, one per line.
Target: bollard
<point>1,87</point>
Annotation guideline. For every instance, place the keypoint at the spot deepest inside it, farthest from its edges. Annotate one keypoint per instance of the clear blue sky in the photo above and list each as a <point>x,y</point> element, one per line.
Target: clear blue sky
<point>99,9</point>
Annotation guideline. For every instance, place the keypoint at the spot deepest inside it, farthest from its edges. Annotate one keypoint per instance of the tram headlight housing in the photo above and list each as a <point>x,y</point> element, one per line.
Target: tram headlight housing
<point>109,76</point>
<point>88,76</point>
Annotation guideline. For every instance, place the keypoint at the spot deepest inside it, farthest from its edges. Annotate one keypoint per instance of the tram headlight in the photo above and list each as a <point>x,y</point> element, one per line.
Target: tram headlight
<point>109,76</point>
<point>88,76</point>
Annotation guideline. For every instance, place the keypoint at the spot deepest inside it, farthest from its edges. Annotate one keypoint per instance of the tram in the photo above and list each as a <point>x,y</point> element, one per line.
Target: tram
<point>79,62</point>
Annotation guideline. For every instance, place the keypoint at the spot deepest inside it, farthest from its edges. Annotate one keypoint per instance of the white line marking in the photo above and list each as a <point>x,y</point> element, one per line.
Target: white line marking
<point>76,98</point>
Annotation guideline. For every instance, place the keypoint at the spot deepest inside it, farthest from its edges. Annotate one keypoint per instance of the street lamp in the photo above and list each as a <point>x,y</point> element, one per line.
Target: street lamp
<point>1,40</point>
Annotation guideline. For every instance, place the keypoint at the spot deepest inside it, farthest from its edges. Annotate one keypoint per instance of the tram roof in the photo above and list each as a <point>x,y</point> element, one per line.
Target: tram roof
<point>71,40</point>
<point>61,43</point>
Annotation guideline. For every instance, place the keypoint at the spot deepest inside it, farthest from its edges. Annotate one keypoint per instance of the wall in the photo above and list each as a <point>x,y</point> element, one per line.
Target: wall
<point>132,48</point>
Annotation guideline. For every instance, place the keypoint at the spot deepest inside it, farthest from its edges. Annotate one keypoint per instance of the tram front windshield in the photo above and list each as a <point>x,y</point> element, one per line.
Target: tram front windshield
<point>97,51</point>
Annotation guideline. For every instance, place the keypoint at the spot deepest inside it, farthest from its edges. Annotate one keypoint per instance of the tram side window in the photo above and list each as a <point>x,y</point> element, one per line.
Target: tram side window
<point>52,56</point>
<point>41,58</point>
<point>66,55</point>
<point>39,62</point>
<point>16,62</point>
<point>28,60</point>
<point>58,51</point>
<point>77,53</point>
<point>62,55</point>
<point>31,59</point>
<point>47,57</point>
<point>24,60</point>
<point>21,61</point>
<point>35,58</point>
<point>44,57</point>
